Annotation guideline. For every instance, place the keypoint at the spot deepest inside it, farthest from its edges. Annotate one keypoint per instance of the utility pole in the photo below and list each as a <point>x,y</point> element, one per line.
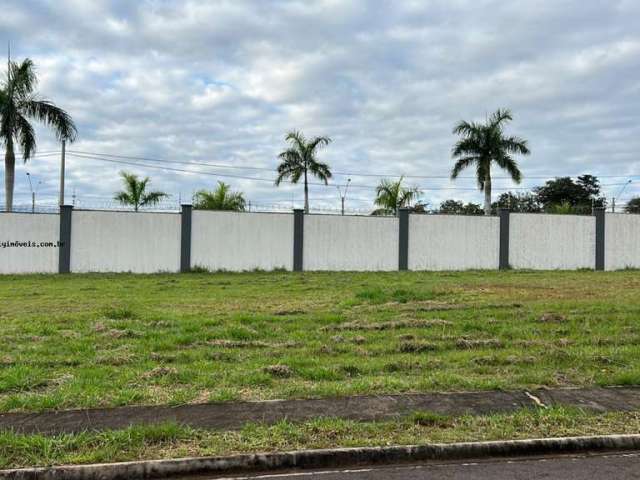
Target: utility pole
<point>62,161</point>
<point>343,197</point>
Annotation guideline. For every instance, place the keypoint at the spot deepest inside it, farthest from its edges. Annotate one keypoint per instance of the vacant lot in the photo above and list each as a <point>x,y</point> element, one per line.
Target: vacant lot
<point>104,340</point>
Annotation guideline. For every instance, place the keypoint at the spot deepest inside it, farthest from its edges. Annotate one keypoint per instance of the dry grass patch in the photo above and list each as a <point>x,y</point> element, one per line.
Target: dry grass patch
<point>390,325</point>
<point>417,346</point>
<point>468,343</point>
<point>281,371</point>
<point>552,318</point>
<point>250,344</point>
<point>159,372</point>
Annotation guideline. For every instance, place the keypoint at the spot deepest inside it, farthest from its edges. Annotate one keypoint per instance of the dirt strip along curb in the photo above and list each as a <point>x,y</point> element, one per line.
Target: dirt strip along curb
<point>329,458</point>
<point>233,415</point>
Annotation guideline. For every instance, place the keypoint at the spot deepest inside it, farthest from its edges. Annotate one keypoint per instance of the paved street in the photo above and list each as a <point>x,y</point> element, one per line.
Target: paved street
<point>606,466</point>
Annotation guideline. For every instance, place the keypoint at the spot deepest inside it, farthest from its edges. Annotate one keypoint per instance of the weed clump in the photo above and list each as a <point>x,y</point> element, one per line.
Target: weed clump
<point>281,371</point>
<point>552,318</point>
<point>416,346</point>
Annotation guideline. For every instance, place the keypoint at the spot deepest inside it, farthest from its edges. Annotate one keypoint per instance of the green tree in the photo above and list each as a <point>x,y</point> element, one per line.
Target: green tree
<point>482,144</point>
<point>580,195</point>
<point>222,198</point>
<point>135,192</point>
<point>456,207</point>
<point>299,160</point>
<point>518,202</point>
<point>564,208</point>
<point>19,102</point>
<point>391,196</point>
<point>633,205</point>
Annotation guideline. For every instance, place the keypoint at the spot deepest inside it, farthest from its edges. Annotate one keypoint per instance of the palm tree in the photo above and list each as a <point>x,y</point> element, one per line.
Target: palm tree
<point>135,193</point>
<point>391,196</point>
<point>484,143</point>
<point>222,198</point>
<point>18,103</point>
<point>300,159</point>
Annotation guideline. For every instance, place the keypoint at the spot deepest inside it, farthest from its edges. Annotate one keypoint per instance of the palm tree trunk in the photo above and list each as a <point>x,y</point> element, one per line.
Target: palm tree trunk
<point>306,193</point>
<point>487,193</point>
<point>9,175</point>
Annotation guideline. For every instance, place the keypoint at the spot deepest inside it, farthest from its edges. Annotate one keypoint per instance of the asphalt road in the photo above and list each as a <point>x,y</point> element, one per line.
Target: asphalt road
<point>592,467</point>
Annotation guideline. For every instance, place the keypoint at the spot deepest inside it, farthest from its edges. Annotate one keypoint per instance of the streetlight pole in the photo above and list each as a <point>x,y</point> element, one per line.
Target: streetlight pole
<point>33,195</point>
<point>342,197</point>
<point>33,192</point>
<point>613,203</point>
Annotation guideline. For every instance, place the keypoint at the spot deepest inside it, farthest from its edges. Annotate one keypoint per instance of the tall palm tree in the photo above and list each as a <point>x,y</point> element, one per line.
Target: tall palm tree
<point>18,103</point>
<point>391,196</point>
<point>135,192</point>
<point>483,144</point>
<point>299,161</point>
<point>222,198</point>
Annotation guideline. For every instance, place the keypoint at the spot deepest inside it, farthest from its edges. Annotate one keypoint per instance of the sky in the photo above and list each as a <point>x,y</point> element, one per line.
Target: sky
<point>221,82</point>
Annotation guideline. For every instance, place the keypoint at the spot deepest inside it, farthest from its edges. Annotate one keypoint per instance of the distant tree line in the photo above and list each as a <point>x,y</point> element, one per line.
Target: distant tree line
<point>560,195</point>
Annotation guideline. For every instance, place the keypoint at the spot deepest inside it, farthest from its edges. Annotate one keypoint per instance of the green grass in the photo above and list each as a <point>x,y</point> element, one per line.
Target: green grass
<point>171,441</point>
<point>106,340</point>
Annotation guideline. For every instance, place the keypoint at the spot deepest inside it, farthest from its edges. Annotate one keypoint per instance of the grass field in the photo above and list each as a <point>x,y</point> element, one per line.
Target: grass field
<point>105,340</point>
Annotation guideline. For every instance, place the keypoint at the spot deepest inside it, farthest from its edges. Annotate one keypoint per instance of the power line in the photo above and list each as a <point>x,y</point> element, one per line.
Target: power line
<point>258,179</point>
<point>355,173</point>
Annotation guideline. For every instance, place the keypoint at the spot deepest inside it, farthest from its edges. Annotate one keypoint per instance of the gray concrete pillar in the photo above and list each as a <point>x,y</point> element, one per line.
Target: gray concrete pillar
<point>185,237</point>
<point>403,239</point>
<point>298,239</point>
<point>503,262</point>
<point>64,251</point>
<point>600,215</point>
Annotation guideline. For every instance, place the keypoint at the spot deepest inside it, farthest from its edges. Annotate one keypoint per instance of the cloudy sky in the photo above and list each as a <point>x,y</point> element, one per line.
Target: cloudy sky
<point>221,82</point>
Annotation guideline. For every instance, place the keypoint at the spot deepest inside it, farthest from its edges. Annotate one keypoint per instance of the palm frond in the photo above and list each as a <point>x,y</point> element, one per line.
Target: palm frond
<point>123,197</point>
<point>468,146</point>
<point>318,142</point>
<point>461,164</point>
<point>320,170</point>
<point>465,128</point>
<point>509,164</point>
<point>515,145</point>
<point>26,137</point>
<point>52,116</point>
<point>222,198</point>
<point>22,79</point>
<point>499,117</point>
<point>297,139</point>
<point>152,198</point>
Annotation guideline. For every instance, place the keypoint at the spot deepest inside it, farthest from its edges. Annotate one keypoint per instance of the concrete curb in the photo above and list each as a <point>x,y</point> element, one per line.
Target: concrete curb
<point>328,458</point>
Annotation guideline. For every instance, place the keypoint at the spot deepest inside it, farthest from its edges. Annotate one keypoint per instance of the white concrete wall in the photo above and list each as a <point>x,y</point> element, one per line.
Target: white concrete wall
<point>453,242</point>
<point>622,241</point>
<point>125,242</point>
<point>34,228</point>
<point>333,242</point>
<point>241,241</point>
<point>550,242</point>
